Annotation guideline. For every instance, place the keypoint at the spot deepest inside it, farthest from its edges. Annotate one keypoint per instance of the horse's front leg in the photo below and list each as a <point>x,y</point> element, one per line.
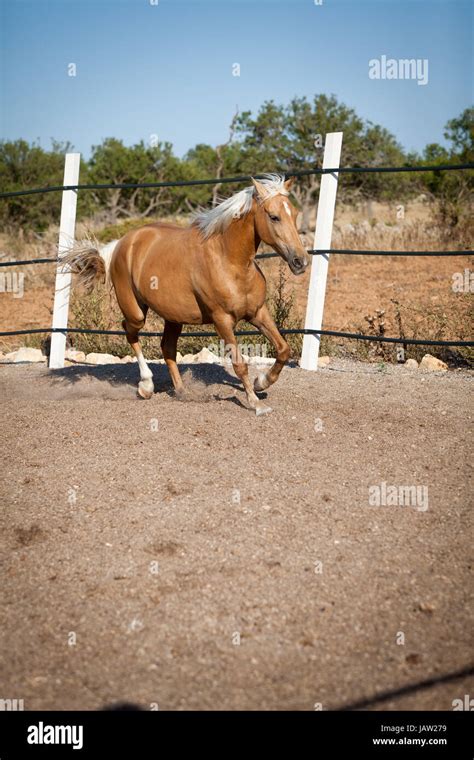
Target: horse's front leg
<point>264,322</point>
<point>225,327</point>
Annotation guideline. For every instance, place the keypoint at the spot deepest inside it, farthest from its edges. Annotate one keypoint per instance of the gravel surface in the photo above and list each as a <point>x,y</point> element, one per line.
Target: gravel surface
<point>189,555</point>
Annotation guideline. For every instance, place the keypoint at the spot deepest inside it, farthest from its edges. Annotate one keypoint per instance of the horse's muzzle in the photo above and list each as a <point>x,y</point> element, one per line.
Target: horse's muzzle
<point>298,264</point>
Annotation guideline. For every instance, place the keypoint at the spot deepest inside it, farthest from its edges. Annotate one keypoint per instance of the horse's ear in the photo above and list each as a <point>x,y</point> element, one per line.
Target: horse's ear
<point>260,189</point>
<point>289,183</point>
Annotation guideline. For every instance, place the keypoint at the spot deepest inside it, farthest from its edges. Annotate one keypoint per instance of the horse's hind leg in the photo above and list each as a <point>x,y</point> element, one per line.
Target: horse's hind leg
<point>169,344</point>
<point>131,325</point>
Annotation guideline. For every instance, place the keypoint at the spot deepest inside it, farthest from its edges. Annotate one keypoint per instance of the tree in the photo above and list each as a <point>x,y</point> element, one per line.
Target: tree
<point>452,190</point>
<point>23,167</point>
<point>205,161</point>
<point>113,162</point>
<point>460,133</point>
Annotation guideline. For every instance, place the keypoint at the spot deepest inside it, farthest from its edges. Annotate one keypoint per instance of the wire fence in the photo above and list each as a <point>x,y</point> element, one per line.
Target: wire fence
<point>313,252</point>
<point>205,334</point>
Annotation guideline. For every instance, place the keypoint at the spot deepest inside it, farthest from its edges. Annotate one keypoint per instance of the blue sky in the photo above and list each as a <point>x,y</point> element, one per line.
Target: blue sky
<point>166,69</point>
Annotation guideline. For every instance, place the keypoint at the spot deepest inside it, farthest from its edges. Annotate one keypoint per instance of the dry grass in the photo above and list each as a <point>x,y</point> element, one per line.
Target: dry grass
<point>413,296</point>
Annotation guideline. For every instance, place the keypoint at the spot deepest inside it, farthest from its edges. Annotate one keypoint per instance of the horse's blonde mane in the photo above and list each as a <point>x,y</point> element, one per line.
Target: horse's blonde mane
<point>217,219</point>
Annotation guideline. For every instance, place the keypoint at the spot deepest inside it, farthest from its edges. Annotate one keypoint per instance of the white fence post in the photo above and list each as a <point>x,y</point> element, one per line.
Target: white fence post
<point>63,278</point>
<point>322,241</point>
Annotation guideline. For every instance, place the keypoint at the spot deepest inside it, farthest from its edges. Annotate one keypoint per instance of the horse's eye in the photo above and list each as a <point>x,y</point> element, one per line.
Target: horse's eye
<point>274,218</point>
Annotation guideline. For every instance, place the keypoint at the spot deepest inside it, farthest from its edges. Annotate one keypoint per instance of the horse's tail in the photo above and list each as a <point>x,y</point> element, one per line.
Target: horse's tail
<point>90,261</point>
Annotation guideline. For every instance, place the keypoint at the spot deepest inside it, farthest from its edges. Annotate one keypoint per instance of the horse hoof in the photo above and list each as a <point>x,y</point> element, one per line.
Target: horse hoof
<point>260,383</point>
<point>145,389</point>
<point>263,410</point>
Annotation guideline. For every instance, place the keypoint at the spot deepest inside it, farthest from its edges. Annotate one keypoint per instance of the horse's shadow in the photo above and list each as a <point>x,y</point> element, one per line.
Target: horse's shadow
<point>123,375</point>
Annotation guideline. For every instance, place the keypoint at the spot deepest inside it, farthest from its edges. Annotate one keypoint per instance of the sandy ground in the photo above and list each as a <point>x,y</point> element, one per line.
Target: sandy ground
<point>188,555</point>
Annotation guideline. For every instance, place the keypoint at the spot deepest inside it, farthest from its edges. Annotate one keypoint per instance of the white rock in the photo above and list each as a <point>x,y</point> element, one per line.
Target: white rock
<point>432,364</point>
<point>206,357</point>
<point>75,356</point>
<point>128,359</point>
<point>188,359</point>
<point>95,358</point>
<point>411,364</point>
<point>25,354</point>
<point>323,361</point>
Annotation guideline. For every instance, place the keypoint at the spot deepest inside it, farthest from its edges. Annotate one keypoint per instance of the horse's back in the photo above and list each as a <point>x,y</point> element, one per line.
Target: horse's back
<point>164,226</point>
<point>165,243</point>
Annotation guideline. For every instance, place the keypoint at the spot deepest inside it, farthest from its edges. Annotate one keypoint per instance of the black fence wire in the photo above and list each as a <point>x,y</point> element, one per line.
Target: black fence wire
<point>311,251</point>
<point>292,331</point>
<point>241,178</point>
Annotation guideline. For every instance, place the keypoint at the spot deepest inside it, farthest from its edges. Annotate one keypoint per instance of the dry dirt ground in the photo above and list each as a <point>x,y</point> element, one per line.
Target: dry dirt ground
<point>189,555</point>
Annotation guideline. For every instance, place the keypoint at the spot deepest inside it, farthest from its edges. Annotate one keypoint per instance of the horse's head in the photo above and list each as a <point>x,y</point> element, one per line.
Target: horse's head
<point>275,222</point>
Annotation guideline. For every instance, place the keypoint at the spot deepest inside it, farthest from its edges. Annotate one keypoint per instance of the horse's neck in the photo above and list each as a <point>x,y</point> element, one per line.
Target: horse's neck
<point>240,241</point>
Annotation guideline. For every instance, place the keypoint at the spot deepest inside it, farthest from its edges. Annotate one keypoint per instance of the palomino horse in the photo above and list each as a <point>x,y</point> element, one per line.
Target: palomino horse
<point>202,274</point>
